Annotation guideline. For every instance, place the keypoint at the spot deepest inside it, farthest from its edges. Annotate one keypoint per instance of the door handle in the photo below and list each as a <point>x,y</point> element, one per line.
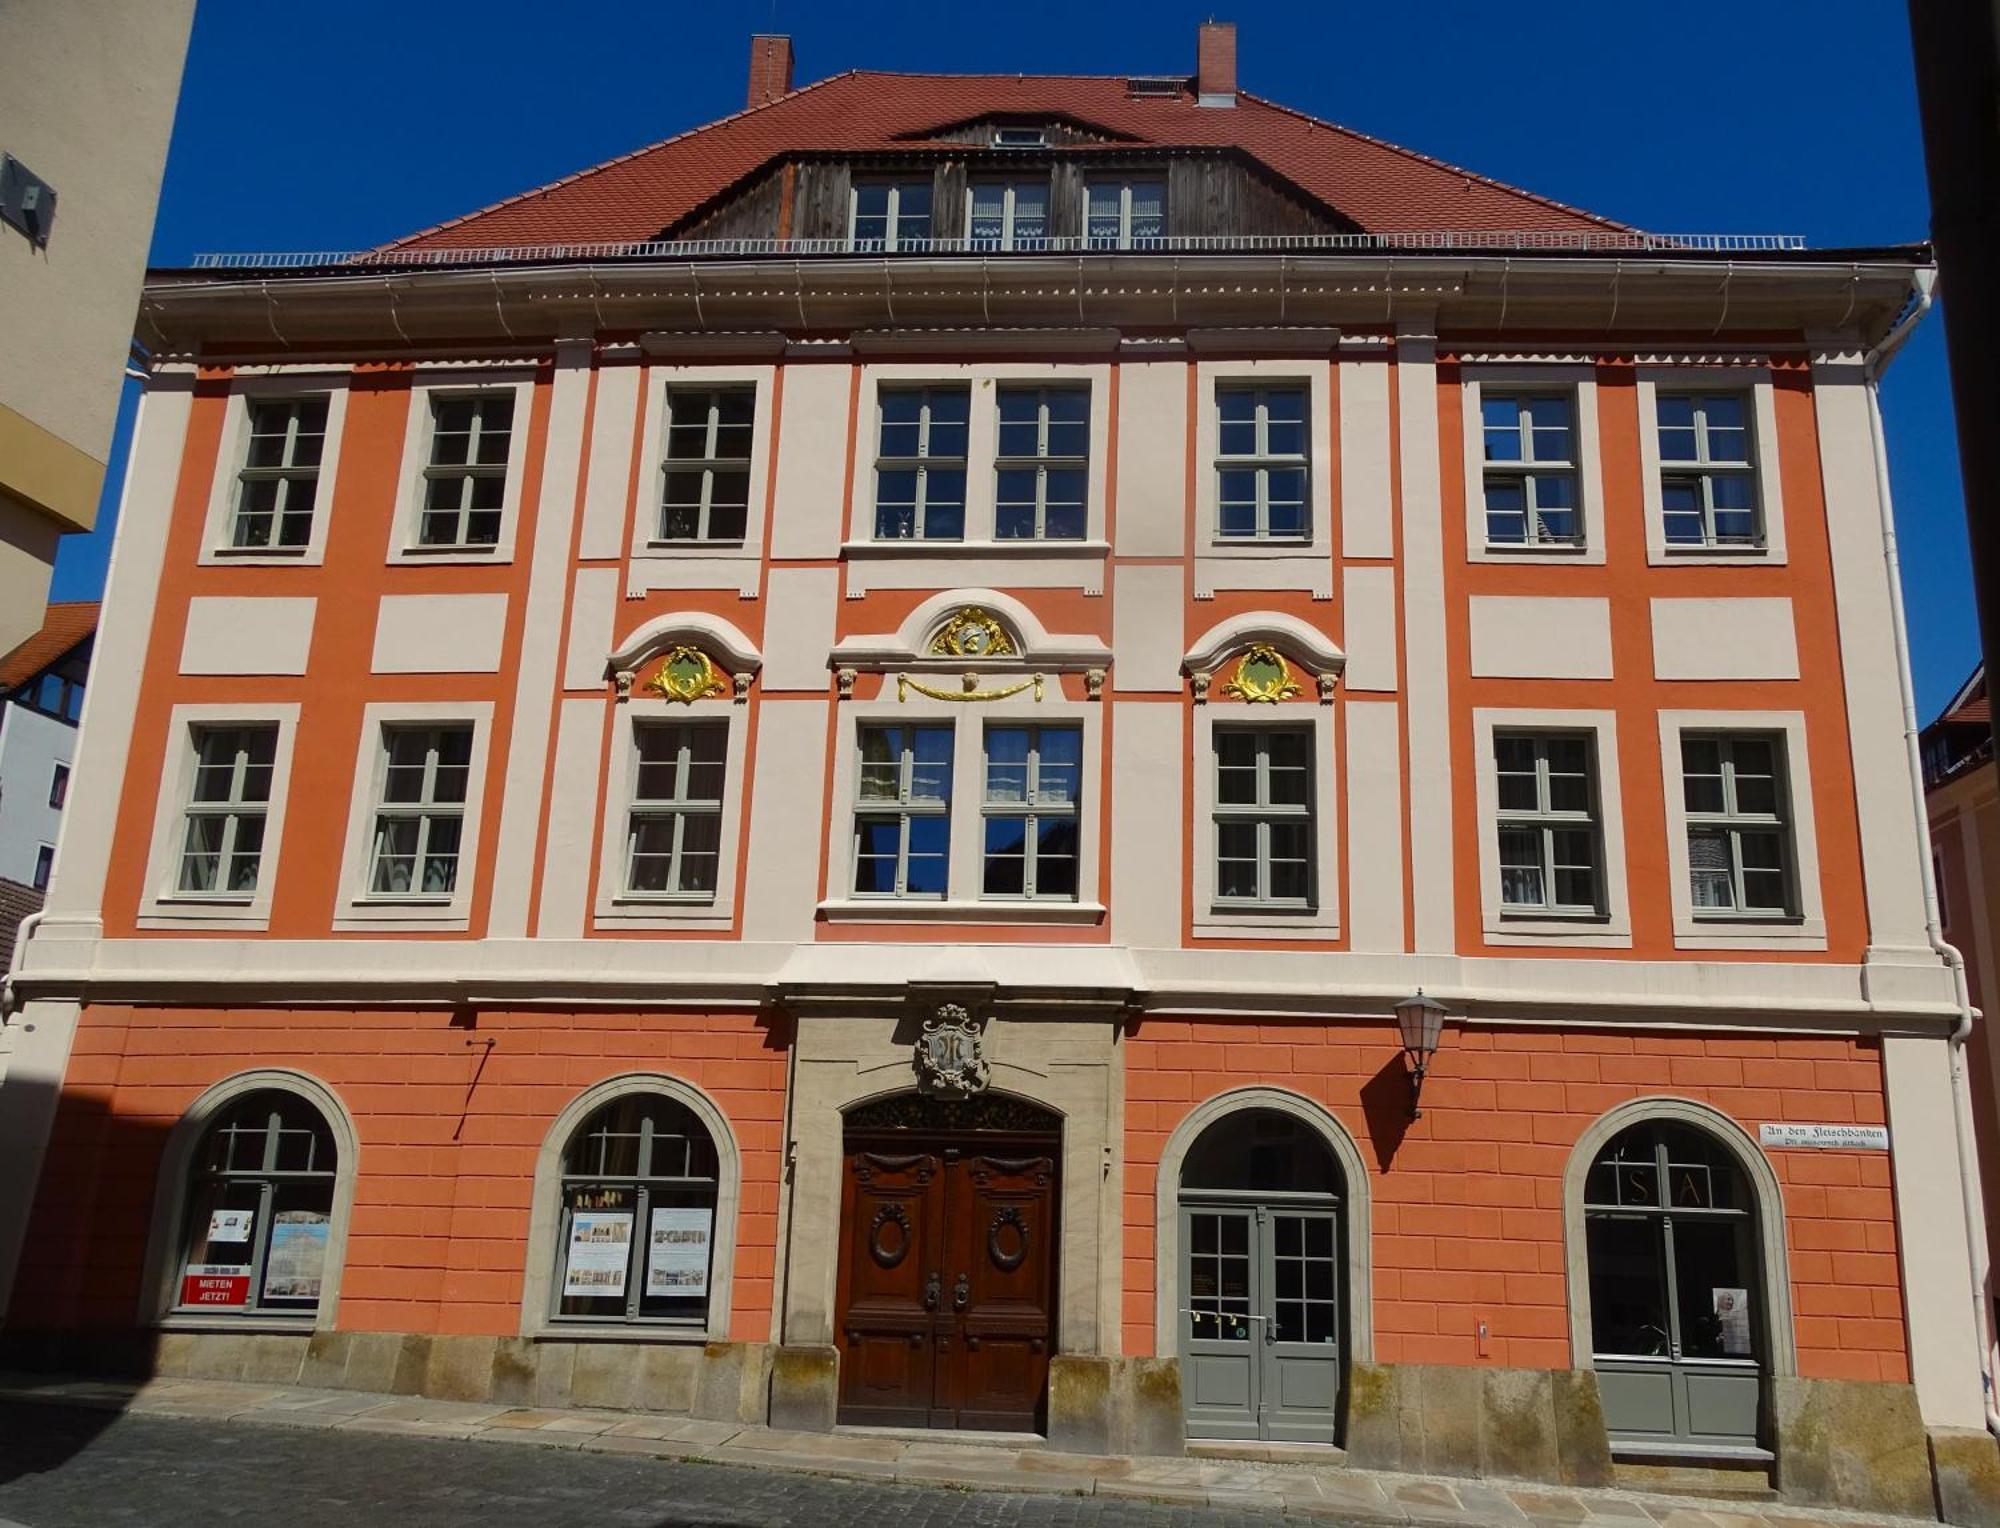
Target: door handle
<point>931,1293</point>
<point>961,1293</point>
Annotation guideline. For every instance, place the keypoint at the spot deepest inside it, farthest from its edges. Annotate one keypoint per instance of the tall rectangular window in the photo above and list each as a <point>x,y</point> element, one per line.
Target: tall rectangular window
<point>45,863</point>
<point>465,478</point>
<point>59,786</point>
<point>280,476</point>
<point>1009,214</point>
<point>1033,784</point>
<point>1262,463</point>
<point>420,815</point>
<point>890,215</point>
<point>1264,817</point>
<point>920,463</point>
<point>1042,469</point>
<point>1548,827</point>
<point>1708,476</point>
<point>902,814</point>
<point>1125,214</point>
<point>707,493</point>
<point>1738,826</point>
<point>1530,472</point>
<point>674,839</point>
<point>222,846</point>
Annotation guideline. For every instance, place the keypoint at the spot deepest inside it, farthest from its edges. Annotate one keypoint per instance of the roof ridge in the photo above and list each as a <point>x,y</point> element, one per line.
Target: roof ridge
<point>607,164</point>
<point>1434,162</point>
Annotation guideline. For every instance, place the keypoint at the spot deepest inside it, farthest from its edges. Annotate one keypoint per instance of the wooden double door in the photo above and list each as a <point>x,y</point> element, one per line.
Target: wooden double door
<point>946,1299</point>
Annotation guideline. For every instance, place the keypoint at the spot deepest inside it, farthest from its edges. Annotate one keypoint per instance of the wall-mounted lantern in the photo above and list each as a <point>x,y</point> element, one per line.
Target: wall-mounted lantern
<point>1421,1020</point>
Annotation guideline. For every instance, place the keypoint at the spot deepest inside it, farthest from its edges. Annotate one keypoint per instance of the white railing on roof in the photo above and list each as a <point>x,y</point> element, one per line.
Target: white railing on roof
<point>1589,240</point>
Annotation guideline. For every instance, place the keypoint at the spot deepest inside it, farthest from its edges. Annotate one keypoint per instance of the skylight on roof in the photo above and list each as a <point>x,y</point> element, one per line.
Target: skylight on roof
<point>1020,137</point>
<point>1153,85</point>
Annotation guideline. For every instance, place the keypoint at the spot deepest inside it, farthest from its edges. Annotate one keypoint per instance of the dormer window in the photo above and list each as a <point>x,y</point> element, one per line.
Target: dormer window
<point>1009,214</point>
<point>1020,137</point>
<point>1127,213</point>
<point>889,215</point>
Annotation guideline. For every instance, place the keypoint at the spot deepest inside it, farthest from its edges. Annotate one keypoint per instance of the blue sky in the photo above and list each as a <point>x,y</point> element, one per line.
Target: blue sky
<point>331,124</point>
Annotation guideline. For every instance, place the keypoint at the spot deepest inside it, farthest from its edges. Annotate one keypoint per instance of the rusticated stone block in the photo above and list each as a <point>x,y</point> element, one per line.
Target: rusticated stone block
<point>1374,1431</point>
<point>273,1359</point>
<point>1583,1446</point>
<point>372,1360</point>
<point>512,1373</point>
<point>1965,1471</point>
<point>1116,1405</point>
<point>667,1376</point>
<point>605,1375</point>
<point>413,1360</point>
<point>1159,1419</point>
<point>325,1365</point>
<point>555,1366</point>
<point>734,1383</point>
<point>1517,1432</point>
<point>1858,1444</point>
<point>460,1369</point>
<point>1080,1404</point>
<point>805,1388</point>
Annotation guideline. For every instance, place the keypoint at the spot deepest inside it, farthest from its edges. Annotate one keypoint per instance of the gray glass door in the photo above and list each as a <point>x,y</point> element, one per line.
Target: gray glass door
<point>1675,1296</point>
<point>1260,1321</point>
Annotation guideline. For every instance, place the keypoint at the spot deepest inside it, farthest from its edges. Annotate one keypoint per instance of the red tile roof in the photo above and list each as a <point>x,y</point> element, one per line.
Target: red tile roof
<point>63,626</point>
<point>1378,186</point>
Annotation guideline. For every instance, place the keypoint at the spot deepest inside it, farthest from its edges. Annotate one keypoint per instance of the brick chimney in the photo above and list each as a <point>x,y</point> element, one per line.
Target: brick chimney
<point>771,68</point>
<point>1215,64</point>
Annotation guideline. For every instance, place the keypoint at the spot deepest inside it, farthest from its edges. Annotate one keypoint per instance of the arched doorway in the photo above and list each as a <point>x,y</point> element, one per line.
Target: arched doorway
<point>1263,1250</point>
<point>946,1295</point>
<point>1680,1325</point>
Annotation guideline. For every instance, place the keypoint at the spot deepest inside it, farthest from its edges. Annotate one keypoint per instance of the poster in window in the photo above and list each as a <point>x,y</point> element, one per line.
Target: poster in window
<point>1732,1316</point>
<point>216,1285</point>
<point>677,1253</point>
<point>230,1225</point>
<point>600,1250</point>
<point>296,1261</point>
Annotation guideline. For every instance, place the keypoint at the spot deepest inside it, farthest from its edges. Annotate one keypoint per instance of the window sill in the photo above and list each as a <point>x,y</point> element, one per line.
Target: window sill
<point>587,1331</point>
<point>193,1321</point>
<point>259,553</point>
<point>1009,548</point>
<point>451,554</point>
<point>1558,930</point>
<point>1535,549</point>
<point>1749,933</point>
<point>945,910</point>
<point>182,912</point>
<point>1225,922</point>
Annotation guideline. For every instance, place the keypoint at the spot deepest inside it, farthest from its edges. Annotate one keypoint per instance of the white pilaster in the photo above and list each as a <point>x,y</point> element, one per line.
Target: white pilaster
<point>1427,691</point>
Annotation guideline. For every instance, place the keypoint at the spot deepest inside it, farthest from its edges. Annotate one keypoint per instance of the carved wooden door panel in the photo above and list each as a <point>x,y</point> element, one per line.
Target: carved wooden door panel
<point>999,1280</point>
<point>892,1308</point>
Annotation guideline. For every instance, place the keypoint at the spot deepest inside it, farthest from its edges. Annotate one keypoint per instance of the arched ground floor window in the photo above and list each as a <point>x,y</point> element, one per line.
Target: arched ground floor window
<point>635,1212</point>
<point>251,1214</point>
<point>1679,1296</point>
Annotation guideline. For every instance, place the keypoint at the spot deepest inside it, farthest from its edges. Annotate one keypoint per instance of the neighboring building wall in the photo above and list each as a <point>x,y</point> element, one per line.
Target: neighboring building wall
<point>89,104</point>
<point>31,746</point>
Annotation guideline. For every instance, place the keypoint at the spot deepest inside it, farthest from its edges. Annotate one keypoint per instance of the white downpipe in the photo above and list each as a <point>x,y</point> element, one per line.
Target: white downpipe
<point>1978,1272</point>
<point>9,1003</point>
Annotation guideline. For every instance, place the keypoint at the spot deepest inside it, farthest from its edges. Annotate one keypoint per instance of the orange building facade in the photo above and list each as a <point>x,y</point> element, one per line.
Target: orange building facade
<point>801,778</point>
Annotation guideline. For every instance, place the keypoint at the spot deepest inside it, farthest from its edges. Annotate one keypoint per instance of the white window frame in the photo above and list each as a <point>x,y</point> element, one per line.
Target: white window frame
<point>931,565</point>
<point>922,463</point>
<point>657,564</point>
<point>1124,182</point>
<point>1242,562</point>
<point>164,905</point>
<point>1755,382</point>
<point>963,902</point>
<point>359,908</point>
<point>1215,920</point>
<point>429,387</point>
<point>1579,384</point>
<point>1805,931</point>
<point>1008,186</point>
<point>272,386</point>
<point>893,239</point>
<point>1030,810</point>
<point>617,907</point>
<point>1042,463</point>
<point>1611,927</point>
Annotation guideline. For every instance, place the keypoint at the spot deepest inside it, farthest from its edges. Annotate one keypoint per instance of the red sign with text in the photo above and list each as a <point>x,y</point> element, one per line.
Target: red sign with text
<point>215,1284</point>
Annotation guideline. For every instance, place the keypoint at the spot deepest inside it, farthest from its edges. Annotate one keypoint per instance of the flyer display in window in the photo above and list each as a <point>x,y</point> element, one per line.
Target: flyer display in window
<point>230,1225</point>
<point>677,1253</point>
<point>600,1250</point>
<point>216,1285</point>
<point>1732,1315</point>
<point>296,1261</point>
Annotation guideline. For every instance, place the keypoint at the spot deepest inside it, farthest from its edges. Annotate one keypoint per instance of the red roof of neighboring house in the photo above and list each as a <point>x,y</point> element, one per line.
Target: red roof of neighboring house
<point>1971,703</point>
<point>1376,185</point>
<point>63,626</point>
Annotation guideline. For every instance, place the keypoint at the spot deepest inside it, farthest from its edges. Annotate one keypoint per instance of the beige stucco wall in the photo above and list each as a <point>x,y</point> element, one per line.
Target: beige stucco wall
<point>88,106</point>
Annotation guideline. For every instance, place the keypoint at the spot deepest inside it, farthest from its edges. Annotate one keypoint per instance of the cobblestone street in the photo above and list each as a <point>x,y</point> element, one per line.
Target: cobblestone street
<point>63,1468</point>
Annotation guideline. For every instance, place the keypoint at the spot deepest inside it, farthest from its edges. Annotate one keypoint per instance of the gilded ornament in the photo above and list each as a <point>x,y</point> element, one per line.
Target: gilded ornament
<point>973,633</point>
<point>689,675</point>
<point>968,688</point>
<point>1262,674</point>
